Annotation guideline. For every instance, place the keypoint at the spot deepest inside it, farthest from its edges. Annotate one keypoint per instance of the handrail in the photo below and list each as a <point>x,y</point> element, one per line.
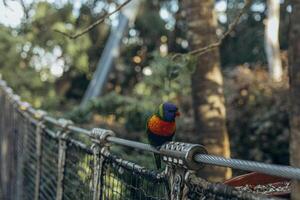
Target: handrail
<point>200,158</point>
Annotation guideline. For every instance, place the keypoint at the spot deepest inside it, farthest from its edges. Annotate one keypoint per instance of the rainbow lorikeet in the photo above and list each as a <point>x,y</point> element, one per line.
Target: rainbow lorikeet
<point>161,127</point>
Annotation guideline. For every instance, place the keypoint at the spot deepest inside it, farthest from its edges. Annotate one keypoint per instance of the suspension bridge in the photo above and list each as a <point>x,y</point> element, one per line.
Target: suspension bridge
<point>42,157</point>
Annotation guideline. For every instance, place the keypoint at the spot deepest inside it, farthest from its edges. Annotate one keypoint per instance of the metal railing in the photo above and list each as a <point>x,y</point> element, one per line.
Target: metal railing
<point>42,157</point>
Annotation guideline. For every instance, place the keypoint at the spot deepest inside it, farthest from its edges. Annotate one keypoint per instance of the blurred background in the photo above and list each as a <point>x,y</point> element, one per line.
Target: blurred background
<point>52,71</point>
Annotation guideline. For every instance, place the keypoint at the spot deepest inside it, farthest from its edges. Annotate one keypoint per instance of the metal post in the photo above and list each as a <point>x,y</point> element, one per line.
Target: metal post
<point>97,163</point>
<point>62,145</point>
<point>178,167</point>
<point>3,145</point>
<point>7,145</point>
<point>2,138</point>
<point>38,143</point>
<point>100,144</point>
<point>22,145</point>
<point>16,135</point>
<point>110,52</point>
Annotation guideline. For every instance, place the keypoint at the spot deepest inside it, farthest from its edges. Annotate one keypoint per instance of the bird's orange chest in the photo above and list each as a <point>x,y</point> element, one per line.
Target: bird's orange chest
<point>160,127</point>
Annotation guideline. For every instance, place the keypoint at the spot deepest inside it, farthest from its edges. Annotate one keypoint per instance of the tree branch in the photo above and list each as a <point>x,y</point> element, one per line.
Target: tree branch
<point>6,5</point>
<point>90,27</point>
<point>231,27</point>
<point>26,10</point>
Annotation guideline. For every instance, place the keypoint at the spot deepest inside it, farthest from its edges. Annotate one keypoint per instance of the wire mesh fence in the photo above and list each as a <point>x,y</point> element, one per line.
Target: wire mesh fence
<point>78,177</point>
<point>48,170</point>
<point>8,147</point>
<point>40,161</point>
<point>125,180</point>
<point>29,158</point>
<point>37,162</point>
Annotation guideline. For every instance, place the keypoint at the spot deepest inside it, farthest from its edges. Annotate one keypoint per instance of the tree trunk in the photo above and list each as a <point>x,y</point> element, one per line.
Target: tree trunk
<point>271,40</point>
<point>294,74</point>
<point>207,86</point>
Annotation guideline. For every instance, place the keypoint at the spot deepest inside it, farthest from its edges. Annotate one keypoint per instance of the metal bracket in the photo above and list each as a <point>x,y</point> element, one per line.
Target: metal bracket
<point>182,154</point>
<point>64,123</point>
<point>100,135</point>
<point>177,186</point>
<point>179,158</point>
<point>176,182</point>
<point>40,114</point>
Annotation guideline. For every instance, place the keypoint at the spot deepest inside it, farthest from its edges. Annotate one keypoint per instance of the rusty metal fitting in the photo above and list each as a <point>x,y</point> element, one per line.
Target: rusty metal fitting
<point>24,106</point>
<point>101,135</point>
<point>64,123</point>
<point>40,114</point>
<point>182,154</point>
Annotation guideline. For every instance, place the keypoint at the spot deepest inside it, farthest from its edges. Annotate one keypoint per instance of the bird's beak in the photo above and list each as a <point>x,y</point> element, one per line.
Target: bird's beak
<point>177,114</point>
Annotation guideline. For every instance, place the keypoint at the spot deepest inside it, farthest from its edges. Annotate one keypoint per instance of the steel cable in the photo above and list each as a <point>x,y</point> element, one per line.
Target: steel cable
<point>7,101</point>
<point>271,169</point>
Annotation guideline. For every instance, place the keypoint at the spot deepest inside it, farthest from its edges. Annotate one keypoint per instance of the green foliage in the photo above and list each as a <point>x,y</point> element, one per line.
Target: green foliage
<point>128,110</point>
<point>257,116</point>
<point>148,18</point>
<point>17,71</point>
<point>257,110</point>
<point>169,78</point>
<point>33,49</point>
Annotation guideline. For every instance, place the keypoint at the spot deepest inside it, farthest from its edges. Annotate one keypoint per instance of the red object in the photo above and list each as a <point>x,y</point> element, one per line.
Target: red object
<point>255,178</point>
<point>160,127</point>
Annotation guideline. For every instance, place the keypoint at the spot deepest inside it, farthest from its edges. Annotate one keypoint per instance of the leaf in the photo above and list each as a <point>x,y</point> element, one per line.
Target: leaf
<point>174,74</point>
<point>191,63</point>
<point>173,70</point>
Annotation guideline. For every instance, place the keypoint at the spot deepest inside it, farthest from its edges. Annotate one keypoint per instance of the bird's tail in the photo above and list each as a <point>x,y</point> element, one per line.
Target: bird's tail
<point>157,160</point>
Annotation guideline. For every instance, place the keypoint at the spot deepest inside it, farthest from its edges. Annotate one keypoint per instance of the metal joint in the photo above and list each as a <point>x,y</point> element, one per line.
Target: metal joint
<point>9,93</point>
<point>16,99</point>
<point>24,106</point>
<point>101,135</point>
<point>8,90</point>
<point>182,154</point>
<point>64,123</point>
<point>40,114</point>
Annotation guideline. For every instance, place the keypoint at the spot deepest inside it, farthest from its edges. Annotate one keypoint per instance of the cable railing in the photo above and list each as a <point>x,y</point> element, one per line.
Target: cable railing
<point>42,157</point>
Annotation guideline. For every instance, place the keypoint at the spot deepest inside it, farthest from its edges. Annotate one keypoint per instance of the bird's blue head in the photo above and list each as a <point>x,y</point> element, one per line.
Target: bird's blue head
<point>168,112</point>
